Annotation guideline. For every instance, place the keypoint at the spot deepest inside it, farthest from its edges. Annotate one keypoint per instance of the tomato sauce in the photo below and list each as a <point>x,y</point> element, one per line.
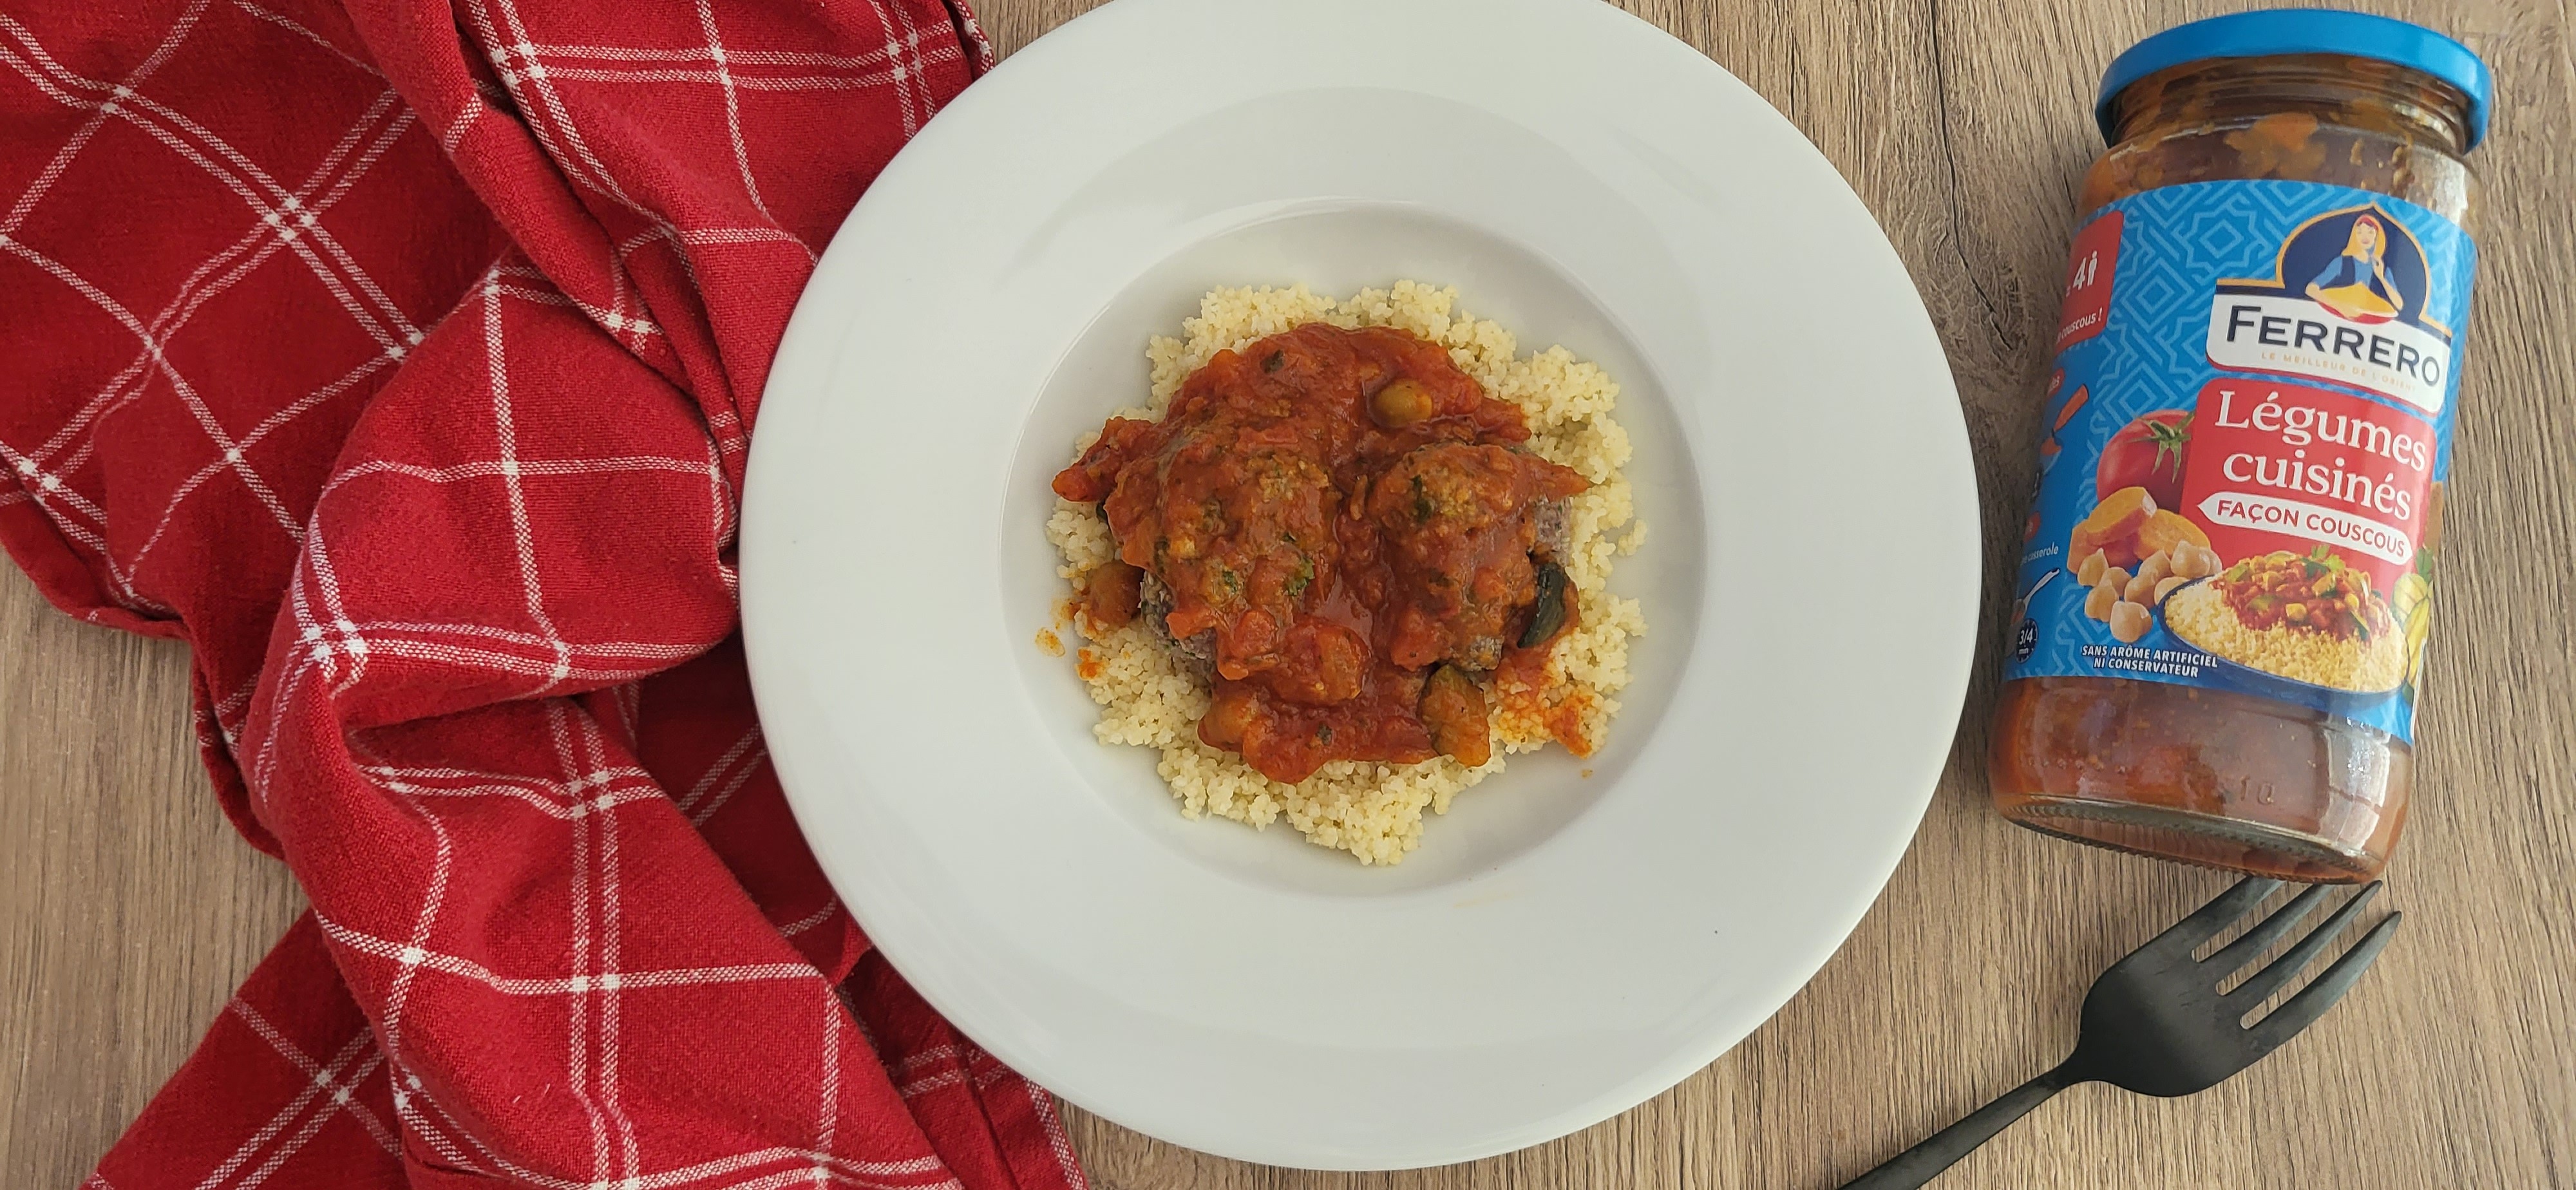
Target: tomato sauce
<point>1350,527</point>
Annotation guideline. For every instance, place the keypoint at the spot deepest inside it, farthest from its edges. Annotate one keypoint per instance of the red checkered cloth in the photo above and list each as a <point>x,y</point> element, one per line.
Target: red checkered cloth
<point>401,359</point>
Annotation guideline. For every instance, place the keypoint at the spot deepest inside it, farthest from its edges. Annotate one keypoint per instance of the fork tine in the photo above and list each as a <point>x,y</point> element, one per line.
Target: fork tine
<point>2222,910</point>
<point>2259,986</point>
<point>2312,1001</point>
<point>2270,930</point>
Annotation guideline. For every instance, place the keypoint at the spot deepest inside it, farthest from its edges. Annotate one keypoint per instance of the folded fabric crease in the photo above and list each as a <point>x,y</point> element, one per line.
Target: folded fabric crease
<point>402,358</point>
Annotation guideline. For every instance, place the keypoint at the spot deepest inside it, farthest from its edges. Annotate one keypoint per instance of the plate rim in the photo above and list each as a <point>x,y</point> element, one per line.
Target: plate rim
<point>807,347</point>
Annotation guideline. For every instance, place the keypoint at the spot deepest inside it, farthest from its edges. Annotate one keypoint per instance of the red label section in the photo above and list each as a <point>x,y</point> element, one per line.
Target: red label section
<point>2089,266</point>
<point>2282,466</point>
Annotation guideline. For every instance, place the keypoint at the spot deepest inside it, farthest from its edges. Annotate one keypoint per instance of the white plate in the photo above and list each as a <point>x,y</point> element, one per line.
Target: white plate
<point>1562,947</point>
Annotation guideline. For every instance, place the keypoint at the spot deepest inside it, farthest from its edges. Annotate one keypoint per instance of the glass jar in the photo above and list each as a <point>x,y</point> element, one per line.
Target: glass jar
<point>2272,249</point>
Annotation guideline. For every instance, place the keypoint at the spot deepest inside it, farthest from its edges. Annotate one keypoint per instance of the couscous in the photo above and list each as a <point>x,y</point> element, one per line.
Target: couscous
<point>2306,618</point>
<point>1545,667</point>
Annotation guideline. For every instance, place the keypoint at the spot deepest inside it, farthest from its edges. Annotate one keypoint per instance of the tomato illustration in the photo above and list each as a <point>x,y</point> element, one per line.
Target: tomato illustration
<point>2147,453</point>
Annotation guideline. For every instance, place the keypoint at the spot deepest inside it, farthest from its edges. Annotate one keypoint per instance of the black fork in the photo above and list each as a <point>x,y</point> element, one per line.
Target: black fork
<point>2156,1024</point>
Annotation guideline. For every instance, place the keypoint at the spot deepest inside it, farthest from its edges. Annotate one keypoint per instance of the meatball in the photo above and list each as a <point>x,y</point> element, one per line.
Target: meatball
<point>1458,521</point>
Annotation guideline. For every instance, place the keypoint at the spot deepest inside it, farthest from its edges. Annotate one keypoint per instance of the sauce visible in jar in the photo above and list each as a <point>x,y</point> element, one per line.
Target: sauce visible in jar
<point>2227,579</point>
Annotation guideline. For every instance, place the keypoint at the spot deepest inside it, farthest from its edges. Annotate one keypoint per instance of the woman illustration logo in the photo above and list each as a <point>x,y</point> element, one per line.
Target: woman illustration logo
<point>2355,284</point>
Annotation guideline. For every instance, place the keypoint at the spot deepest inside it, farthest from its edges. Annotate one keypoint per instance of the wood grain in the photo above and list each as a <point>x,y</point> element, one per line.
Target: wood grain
<point>130,912</point>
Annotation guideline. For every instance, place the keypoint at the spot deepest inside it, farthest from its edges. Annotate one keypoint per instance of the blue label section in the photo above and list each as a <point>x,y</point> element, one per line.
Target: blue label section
<point>2245,446</point>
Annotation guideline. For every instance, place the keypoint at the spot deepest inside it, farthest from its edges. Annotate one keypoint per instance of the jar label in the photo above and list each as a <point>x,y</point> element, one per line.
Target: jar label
<point>2244,447</point>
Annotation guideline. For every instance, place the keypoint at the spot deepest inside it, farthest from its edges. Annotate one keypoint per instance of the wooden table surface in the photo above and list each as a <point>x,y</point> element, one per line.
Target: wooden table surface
<point>128,910</point>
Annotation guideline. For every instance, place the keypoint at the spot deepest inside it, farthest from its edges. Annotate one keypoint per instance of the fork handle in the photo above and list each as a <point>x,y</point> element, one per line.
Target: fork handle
<point>1917,1165</point>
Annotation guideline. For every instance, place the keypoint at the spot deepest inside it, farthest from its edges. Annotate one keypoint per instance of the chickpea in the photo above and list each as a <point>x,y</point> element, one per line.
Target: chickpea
<point>2186,560</point>
<point>2157,566</point>
<point>2203,561</point>
<point>2167,587</point>
<point>2089,571</point>
<point>2141,589</point>
<point>2129,621</point>
<point>1401,403</point>
<point>2097,603</point>
<point>2118,578</point>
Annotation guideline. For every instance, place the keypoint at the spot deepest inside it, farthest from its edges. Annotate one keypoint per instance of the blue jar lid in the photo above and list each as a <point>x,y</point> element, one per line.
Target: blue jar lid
<point>2304,31</point>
